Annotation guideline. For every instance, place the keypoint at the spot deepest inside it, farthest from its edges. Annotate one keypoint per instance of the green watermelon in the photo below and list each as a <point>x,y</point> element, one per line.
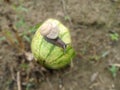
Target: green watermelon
<point>50,55</point>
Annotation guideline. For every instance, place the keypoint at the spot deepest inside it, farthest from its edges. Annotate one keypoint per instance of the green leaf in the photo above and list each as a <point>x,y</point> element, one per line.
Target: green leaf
<point>24,65</point>
<point>29,86</point>
<point>34,28</point>
<point>113,69</point>
<point>95,57</point>
<point>114,36</point>
<point>19,8</point>
<point>27,38</point>
<point>67,18</point>
<point>2,39</point>
<point>20,23</point>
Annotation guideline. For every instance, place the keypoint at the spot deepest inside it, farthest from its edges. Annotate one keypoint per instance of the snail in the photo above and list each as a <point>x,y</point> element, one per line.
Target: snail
<point>50,32</point>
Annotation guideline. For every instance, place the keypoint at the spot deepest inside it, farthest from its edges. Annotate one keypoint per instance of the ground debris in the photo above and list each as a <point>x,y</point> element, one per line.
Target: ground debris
<point>29,56</point>
<point>94,76</point>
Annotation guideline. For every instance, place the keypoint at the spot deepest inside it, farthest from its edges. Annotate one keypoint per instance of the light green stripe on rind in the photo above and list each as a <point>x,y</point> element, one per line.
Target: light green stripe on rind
<point>44,49</point>
<point>54,51</point>
<point>62,54</point>
<point>35,45</point>
<point>66,38</point>
<point>61,36</point>
<point>63,30</point>
<point>40,44</point>
<point>62,61</point>
<point>51,49</point>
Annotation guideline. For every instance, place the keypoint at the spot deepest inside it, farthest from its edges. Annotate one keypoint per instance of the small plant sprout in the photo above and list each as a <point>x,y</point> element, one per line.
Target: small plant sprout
<point>113,69</point>
<point>2,39</point>
<point>24,65</point>
<point>67,17</point>
<point>20,8</point>
<point>114,36</point>
<point>20,23</point>
<point>95,57</point>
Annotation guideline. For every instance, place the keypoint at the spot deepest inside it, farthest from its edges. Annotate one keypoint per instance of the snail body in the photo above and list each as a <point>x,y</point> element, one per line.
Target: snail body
<point>50,32</point>
<point>57,42</point>
<point>50,42</point>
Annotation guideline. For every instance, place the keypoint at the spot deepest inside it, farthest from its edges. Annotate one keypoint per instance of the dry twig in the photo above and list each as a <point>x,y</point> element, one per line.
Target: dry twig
<point>18,81</point>
<point>49,83</point>
<point>65,11</point>
<point>115,64</point>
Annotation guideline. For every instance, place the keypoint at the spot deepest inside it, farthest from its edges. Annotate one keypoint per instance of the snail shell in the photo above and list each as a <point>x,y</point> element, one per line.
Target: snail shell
<point>50,30</point>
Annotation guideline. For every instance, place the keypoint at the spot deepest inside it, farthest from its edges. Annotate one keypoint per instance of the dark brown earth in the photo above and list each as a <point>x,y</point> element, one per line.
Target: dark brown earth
<point>90,21</point>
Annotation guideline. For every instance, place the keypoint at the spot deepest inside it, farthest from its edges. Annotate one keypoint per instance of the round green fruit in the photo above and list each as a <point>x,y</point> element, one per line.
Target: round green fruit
<point>49,54</point>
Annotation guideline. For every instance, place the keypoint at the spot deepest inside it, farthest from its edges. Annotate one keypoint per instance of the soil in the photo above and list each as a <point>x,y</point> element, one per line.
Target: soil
<point>90,22</point>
